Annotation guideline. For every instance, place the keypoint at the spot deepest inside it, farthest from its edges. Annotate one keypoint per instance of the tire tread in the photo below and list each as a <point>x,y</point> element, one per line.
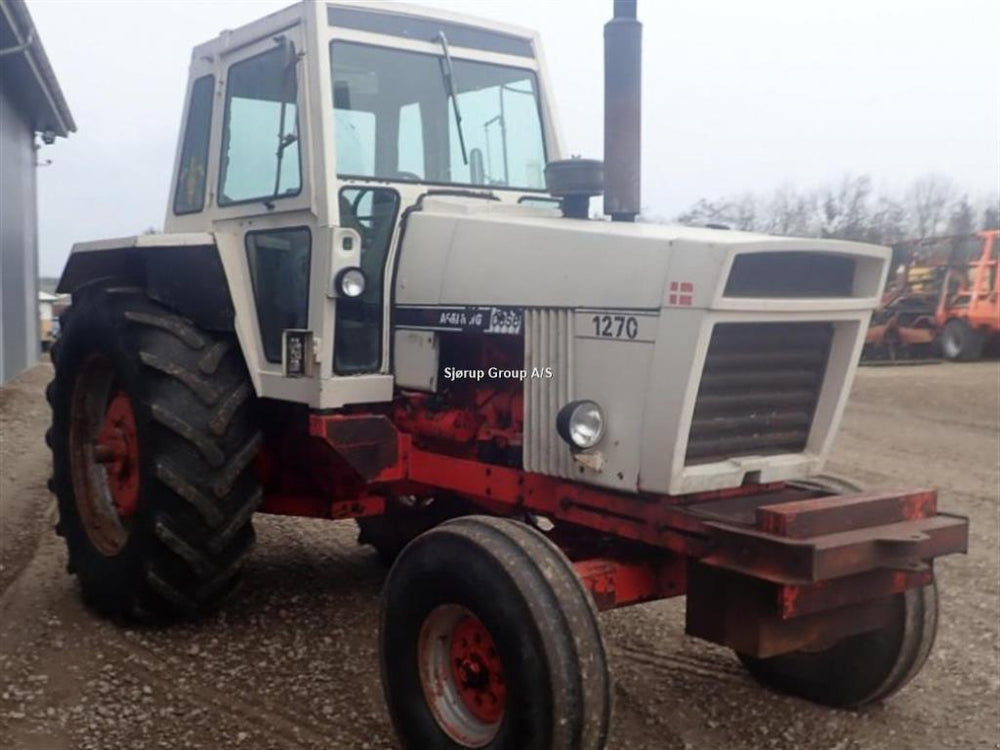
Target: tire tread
<point>202,436</point>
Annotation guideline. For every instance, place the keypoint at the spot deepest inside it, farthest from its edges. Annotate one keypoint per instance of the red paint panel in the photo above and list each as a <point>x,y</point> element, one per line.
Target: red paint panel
<point>362,507</point>
<point>821,558</point>
<point>652,519</point>
<point>309,506</point>
<point>615,583</point>
<point>835,513</point>
<point>796,601</point>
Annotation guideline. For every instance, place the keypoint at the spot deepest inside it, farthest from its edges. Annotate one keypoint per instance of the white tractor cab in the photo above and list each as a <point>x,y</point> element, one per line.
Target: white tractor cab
<point>307,137</point>
<point>380,295</point>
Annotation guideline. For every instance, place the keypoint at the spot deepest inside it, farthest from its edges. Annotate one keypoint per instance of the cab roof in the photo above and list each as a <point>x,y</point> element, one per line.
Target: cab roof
<point>404,20</point>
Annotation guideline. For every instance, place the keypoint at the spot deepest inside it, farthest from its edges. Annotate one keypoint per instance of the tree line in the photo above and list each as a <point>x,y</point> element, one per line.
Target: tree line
<point>851,209</point>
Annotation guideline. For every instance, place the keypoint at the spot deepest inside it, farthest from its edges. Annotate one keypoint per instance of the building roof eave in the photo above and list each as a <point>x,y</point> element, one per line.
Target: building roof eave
<point>53,114</point>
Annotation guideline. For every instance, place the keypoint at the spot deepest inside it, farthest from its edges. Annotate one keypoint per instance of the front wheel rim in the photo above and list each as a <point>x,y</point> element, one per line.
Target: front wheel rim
<point>461,675</point>
<point>951,343</point>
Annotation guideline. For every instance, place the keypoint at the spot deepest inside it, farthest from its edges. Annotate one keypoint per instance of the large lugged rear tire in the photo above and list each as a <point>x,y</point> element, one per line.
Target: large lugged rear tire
<point>861,669</point>
<point>489,640</point>
<point>153,435</point>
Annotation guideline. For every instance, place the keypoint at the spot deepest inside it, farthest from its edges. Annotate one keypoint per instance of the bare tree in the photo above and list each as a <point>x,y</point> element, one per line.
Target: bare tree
<point>790,213</point>
<point>991,215</point>
<point>845,208</point>
<point>927,202</point>
<point>738,213</point>
<point>888,222</point>
<point>850,209</point>
<point>962,218</point>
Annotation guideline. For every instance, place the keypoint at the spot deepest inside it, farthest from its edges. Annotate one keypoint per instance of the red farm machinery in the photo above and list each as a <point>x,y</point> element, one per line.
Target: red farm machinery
<point>943,301</point>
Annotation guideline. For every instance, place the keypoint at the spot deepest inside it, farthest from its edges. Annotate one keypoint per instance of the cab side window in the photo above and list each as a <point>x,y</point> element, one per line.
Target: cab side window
<point>357,334</point>
<point>260,151</point>
<point>189,197</point>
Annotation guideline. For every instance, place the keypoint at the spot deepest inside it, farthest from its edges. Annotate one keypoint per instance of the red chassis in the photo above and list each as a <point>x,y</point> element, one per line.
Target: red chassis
<point>767,568</point>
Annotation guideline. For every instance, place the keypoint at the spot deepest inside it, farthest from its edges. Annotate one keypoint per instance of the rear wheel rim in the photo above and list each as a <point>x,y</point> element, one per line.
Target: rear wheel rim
<point>461,675</point>
<point>951,342</point>
<point>104,456</point>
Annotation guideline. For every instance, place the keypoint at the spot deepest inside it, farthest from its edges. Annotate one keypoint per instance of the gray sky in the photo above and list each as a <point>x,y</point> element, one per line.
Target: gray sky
<point>737,96</point>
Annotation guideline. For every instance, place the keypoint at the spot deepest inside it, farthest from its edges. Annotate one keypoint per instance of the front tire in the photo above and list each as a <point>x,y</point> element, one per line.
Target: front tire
<point>863,668</point>
<point>860,669</point>
<point>153,435</point>
<point>488,639</point>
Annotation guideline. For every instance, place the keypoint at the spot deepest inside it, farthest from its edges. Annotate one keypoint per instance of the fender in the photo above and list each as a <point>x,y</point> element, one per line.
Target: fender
<point>182,271</point>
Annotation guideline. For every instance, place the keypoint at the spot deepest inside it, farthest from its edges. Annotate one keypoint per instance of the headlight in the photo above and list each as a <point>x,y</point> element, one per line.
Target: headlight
<point>350,282</point>
<point>581,424</point>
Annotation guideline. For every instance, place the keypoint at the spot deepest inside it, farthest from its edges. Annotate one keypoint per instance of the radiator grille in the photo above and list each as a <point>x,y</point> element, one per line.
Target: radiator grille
<point>758,389</point>
<point>547,343</point>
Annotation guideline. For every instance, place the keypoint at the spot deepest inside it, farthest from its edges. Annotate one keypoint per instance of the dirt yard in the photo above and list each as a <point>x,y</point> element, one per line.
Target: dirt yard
<point>291,663</point>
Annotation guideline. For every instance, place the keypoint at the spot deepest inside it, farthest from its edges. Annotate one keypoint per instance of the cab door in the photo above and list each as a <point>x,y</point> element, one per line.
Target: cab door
<point>266,228</point>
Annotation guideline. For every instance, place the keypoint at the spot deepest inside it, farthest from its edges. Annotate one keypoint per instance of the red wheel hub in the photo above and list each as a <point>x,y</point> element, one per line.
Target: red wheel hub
<point>477,671</point>
<point>117,448</point>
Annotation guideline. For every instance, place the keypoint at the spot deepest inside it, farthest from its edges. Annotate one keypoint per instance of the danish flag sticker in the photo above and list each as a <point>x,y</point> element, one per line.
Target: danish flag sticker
<point>680,293</point>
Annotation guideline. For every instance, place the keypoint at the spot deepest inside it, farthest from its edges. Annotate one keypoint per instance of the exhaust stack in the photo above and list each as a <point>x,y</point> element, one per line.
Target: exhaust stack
<point>622,112</point>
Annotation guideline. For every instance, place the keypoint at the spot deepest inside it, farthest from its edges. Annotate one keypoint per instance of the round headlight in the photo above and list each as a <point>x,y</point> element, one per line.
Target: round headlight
<point>581,424</point>
<point>350,282</point>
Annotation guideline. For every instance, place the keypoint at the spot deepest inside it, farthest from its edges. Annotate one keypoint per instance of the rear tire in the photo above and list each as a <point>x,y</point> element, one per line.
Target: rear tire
<point>153,435</point>
<point>488,639</point>
<point>860,669</point>
<point>960,342</point>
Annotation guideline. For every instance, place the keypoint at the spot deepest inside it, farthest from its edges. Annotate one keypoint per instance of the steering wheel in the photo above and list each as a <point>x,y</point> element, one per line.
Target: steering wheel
<point>364,223</point>
<point>404,175</point>
<point>356,204</point>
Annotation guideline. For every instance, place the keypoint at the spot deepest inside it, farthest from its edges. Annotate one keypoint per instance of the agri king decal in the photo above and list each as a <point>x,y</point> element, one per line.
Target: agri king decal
<point>504,321</point>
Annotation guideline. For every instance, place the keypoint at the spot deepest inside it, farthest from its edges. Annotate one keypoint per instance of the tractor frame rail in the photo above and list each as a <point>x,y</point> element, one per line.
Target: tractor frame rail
<point>766,568</point>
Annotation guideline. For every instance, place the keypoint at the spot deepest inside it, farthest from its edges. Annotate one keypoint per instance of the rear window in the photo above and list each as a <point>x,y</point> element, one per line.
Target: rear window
<point>189,197</point>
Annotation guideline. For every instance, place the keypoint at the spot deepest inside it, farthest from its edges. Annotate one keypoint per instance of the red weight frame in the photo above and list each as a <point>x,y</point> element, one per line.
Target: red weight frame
<point>791,556</point>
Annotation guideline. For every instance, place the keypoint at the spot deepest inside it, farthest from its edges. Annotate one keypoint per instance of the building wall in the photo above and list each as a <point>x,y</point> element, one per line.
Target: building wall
<point>19,344</point>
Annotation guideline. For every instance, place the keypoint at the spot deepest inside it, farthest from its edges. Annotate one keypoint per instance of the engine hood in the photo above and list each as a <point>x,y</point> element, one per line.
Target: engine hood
<point>458,251</point>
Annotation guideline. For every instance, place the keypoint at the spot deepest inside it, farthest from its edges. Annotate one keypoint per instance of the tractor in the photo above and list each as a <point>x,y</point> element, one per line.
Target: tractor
<point>381,295</point>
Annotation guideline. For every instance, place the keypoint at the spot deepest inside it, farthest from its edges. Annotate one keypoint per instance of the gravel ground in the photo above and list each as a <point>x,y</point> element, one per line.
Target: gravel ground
<point>291,663</point>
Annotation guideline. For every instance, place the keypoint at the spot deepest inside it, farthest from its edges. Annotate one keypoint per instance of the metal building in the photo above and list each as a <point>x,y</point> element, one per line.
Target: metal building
<point>30,103</point>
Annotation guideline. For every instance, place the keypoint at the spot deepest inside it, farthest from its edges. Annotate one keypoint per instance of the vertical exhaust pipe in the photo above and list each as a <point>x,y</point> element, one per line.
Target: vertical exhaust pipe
<point>622,112</point>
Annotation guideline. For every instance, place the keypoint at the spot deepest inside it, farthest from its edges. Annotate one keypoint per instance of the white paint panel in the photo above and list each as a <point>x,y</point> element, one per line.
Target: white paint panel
<point>415,354</point>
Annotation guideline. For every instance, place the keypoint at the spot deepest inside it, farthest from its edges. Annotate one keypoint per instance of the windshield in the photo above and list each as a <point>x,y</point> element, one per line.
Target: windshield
<point>395,119</point>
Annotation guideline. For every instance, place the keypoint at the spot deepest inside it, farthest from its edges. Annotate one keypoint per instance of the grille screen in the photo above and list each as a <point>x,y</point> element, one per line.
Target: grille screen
<point>791,274</point>
<point>758,390</point>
